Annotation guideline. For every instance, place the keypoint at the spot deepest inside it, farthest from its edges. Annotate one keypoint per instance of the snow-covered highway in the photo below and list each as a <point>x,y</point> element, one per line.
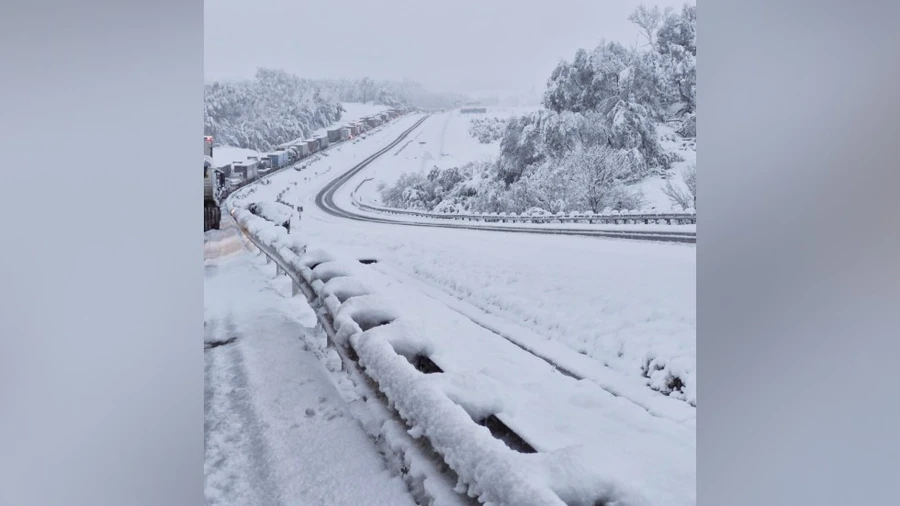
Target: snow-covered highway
<point>502,315</point>
<point>337,199</point>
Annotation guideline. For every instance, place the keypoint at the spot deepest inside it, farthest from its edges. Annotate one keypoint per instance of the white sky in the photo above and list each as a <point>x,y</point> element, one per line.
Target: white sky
<point>456,45</point>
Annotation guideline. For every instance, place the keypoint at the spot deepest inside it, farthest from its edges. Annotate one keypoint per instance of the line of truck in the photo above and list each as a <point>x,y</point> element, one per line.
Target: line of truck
<point>219,181</point>
<point>291,152</point>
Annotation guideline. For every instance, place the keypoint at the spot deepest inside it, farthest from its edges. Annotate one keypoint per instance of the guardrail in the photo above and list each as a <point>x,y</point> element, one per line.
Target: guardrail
<point>478,455</point>
<point>615,217</point>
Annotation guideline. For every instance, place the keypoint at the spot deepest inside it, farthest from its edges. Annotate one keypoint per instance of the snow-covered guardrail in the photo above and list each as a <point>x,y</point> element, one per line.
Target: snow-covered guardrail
<point>614,217</point>
<point>367,328</point>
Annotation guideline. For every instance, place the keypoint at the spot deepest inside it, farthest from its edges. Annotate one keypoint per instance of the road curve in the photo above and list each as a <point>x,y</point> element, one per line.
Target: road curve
<point>325,202</point>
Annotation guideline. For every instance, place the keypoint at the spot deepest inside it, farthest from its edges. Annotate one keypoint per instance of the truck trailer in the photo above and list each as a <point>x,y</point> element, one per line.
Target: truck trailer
<point>278,159</point>
<point>213,184</point>
<point>248,169</point>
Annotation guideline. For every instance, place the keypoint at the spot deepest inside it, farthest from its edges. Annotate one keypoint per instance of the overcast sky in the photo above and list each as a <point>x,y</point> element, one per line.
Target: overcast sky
<point>454,45</point>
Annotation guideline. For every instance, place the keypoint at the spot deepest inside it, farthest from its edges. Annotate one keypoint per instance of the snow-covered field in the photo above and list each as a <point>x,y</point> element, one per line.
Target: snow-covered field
<point>443,141</point>
<point>278,428</point>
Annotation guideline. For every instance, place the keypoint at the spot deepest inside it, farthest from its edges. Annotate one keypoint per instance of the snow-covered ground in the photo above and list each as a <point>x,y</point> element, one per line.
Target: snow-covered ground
<point>652,187</point>
<point>601,308</point>
<point>619,303</point>
<point>622,304</point>
<point>278,429</point>
<point>592,440</point>
<point>443,141</point>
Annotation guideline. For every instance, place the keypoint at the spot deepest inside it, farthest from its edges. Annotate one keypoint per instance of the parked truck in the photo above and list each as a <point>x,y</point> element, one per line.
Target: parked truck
<point>248,169</point>
<point>213,184</point>
<point>278,159</point>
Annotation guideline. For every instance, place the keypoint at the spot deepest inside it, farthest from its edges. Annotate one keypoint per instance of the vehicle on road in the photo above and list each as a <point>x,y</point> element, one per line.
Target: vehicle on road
<point>213,188</point>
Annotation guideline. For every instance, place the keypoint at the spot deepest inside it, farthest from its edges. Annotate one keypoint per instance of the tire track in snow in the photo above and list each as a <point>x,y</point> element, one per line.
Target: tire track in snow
<point>481,317</point>
<point>236,466</point>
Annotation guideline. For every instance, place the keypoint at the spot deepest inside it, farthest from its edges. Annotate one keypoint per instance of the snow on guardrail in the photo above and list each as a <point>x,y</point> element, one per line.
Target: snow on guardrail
<point>385,343</point>
<point>613,217</point>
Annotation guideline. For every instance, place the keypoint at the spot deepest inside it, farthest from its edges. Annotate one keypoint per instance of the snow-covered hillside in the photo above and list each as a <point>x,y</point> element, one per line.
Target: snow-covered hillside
<point>444,141</point>
<point>277,107</point>
<point>447,141</point>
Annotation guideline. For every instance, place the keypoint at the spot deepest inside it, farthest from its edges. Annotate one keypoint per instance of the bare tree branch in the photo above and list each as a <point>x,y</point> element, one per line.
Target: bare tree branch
<point>648,19</point>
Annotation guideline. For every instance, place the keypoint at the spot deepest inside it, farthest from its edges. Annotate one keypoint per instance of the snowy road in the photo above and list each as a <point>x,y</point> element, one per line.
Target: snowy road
<point>336,199</point>
<point>602,304</point>
<point>279,428</point>
<point>497,309</point>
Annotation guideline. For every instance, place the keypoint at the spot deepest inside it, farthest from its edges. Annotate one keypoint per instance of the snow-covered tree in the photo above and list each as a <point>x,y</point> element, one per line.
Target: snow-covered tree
<point>598,172</point>
<point>677,44</point>
<point>274,108</point>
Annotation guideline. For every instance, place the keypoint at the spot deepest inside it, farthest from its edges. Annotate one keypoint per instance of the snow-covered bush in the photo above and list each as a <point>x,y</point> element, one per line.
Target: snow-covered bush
<point>684,196</point>
<point>272,211</point>
<point>487,130</point>
<point>688,126</point>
